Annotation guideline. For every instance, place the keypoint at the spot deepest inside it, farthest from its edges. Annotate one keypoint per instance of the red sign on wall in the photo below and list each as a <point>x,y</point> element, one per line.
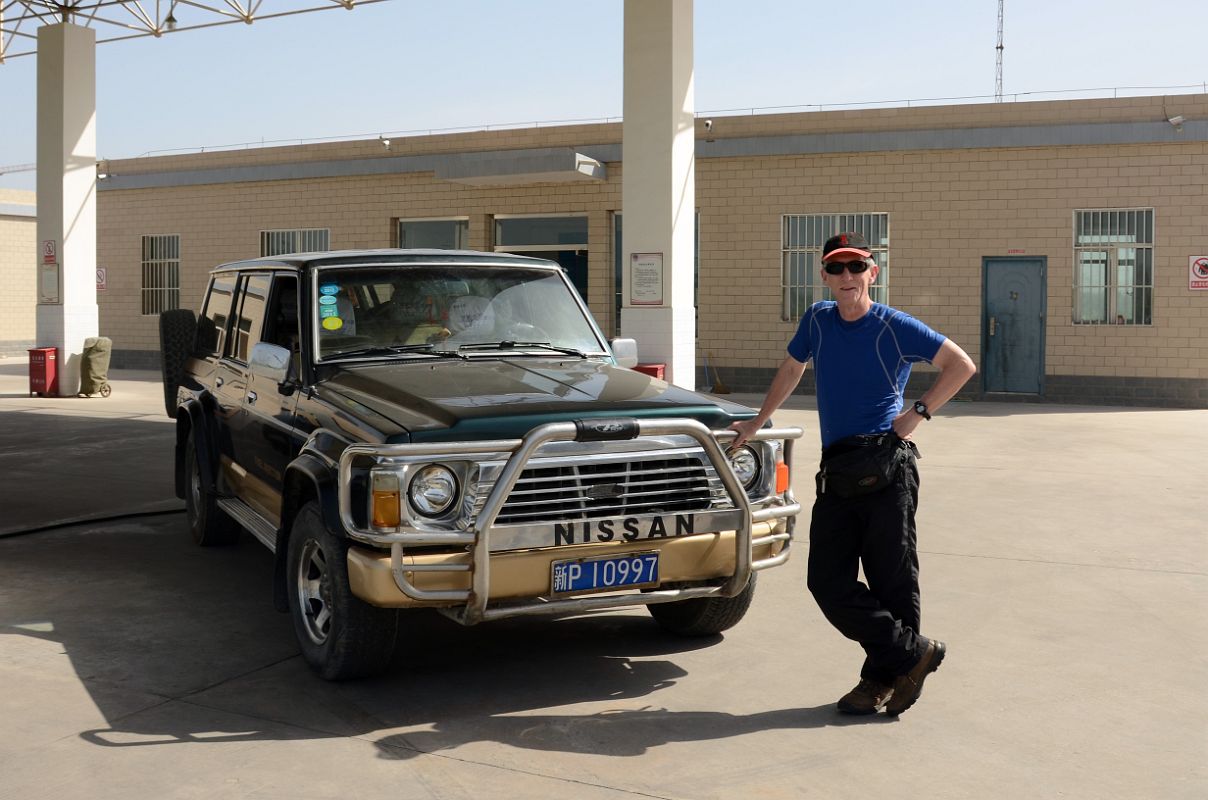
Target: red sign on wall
<point>1197,273</point>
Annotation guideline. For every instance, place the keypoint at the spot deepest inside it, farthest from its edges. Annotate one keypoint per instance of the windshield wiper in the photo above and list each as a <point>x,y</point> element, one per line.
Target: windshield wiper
<point>424,348</point>
<point>507,344</point>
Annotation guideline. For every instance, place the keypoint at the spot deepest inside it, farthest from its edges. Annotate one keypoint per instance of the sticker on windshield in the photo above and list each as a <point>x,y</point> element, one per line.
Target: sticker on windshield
<point>471,313</point>
<point>329,288</point>
<point>327,300</point>
<point>328,311</point>
<point>333,323</point>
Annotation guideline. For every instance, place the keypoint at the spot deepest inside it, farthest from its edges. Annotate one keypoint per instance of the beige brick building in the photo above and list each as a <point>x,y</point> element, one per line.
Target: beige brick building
<point>18,254</point>
<point>1052,240</point>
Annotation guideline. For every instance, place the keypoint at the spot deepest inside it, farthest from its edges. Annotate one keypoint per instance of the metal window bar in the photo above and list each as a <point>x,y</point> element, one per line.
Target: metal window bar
<point>160,273</point>
<point>299,240</point>
<point>1113,267</point>
<point>804,235</point>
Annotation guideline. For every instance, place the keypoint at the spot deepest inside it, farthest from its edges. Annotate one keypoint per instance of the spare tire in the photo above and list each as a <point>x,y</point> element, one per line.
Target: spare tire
<point>177,330</point>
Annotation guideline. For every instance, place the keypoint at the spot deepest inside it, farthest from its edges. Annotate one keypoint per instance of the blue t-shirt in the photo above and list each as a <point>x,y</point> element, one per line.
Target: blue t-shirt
<point>861,367</point>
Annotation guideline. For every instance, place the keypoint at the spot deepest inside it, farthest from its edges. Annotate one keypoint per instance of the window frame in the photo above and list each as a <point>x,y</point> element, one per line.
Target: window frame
<point>553,247</point>
<point>156,299</point>
<point>812,290</point>
<point>223,332</point>
<point>463,223</point>
<point>1112,287</point>
<point>298,233</point>
<point>256,330</point>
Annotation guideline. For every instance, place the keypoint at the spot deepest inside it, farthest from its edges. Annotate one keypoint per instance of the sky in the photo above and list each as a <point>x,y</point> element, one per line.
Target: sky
<point>418,65</point>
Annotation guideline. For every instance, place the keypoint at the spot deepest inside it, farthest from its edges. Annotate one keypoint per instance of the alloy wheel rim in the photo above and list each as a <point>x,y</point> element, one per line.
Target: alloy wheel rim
<point>314,592</point>
<point>195,488</point>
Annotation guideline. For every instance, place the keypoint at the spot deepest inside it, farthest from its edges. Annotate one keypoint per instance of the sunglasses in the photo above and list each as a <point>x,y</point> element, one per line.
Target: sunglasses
<point>837,267</point>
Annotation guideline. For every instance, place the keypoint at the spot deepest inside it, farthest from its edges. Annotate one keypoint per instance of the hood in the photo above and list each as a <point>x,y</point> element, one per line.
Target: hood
<point>487,398</point>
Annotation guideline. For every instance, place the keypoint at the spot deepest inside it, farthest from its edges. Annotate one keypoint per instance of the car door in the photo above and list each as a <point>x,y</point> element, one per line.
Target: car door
<point>269,439</point>
<point>231,384</point>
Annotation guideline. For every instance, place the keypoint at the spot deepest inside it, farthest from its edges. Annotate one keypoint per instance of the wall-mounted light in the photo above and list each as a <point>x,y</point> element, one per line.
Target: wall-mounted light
<point>102,169</point>
<point>1177,122</point>
<point>385,142</point>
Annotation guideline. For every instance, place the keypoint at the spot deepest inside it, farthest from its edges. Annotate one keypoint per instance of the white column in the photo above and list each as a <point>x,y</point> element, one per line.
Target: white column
<point>658,193</point>
<point>67,194</point>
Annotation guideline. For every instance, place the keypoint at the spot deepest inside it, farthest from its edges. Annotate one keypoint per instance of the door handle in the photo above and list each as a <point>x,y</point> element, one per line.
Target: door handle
<point>218,382</point>
<point>251,397</point>
<point>993,325</point>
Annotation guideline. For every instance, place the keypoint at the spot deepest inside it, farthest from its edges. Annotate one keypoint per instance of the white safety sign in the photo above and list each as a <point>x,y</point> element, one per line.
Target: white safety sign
<point>1197,273</point>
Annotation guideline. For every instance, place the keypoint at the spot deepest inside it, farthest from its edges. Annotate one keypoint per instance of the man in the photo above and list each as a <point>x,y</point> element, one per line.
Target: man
<point>863,352</point>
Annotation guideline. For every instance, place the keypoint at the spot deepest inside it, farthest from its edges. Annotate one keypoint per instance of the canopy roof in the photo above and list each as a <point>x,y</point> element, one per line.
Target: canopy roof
<point>115,20</point>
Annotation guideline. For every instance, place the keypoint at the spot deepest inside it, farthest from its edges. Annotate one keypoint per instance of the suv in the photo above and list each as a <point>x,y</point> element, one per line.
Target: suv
<point>444,429</point>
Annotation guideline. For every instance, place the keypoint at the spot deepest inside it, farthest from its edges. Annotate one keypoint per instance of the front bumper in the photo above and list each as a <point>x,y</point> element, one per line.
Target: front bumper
<point>477,585</point>
<point>521,575</point>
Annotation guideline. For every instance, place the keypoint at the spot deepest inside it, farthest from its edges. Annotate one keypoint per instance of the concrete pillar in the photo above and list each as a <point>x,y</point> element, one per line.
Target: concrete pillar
<point>66,255</point>
<point>658,191</point>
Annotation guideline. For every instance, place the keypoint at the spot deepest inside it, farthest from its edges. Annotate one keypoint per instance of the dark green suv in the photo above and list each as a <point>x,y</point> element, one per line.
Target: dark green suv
<point>410,429</point>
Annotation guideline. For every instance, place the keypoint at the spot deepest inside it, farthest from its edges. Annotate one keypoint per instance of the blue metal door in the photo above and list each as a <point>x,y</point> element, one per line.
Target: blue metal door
<point>1013,324</point>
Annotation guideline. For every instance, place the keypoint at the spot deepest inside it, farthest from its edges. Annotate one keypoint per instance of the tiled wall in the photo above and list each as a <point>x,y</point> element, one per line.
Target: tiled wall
<point>18,253</point>
<point>947,209</point>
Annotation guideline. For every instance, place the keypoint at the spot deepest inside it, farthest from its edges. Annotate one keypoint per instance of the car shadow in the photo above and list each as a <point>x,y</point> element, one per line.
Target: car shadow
<point>177,644</point>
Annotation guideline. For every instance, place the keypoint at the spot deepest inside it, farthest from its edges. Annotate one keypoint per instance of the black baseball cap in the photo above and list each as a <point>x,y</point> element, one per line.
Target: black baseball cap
<point>840,244</point>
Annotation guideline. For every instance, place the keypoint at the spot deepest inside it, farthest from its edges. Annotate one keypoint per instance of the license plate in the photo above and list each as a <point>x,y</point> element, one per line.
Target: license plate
<point>604,573</point>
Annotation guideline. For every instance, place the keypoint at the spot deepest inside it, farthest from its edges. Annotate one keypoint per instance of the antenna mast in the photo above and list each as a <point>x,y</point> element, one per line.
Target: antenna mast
<point>998,72</point>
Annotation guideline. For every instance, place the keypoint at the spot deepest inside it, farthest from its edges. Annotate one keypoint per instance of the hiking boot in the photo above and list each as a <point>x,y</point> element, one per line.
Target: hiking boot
<point>908,687</point>
<point>866,698</point>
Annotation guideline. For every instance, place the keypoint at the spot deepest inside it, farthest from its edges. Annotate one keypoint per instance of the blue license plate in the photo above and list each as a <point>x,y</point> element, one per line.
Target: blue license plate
<point>604,573</point>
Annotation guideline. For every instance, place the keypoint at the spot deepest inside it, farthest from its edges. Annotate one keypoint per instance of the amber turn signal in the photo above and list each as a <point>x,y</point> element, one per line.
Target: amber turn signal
<point>782,477</point>
<point>385,501</point>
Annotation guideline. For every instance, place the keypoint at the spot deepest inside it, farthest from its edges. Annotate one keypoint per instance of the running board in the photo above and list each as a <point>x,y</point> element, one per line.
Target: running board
<point>250,521</point>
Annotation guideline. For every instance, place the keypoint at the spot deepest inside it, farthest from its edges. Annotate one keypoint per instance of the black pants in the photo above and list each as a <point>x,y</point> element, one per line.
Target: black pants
<point>878,532</point>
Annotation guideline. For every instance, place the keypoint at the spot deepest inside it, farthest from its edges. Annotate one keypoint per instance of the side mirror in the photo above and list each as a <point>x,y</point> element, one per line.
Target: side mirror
<point>625,351</point>
<point>270,361</point>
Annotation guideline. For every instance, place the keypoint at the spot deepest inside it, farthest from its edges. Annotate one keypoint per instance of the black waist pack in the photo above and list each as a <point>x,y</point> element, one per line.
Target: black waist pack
<point>860,465</point>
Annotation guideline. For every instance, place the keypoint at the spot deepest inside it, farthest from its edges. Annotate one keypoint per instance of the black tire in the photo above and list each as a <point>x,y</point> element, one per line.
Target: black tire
<point>210,526</point>
<point>704,616</point>
<point>177,331</point>
<point>341,636</point>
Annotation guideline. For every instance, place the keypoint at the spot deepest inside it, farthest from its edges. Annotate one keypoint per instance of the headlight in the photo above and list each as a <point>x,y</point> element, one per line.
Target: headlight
<point>432,490</point>
<point>745,464</point>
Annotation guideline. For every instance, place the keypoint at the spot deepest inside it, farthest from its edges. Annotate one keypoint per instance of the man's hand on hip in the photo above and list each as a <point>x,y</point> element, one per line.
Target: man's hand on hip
<point>905,423</point>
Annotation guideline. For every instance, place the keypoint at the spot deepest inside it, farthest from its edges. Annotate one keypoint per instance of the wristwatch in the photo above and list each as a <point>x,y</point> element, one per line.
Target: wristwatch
<point>920,408</point>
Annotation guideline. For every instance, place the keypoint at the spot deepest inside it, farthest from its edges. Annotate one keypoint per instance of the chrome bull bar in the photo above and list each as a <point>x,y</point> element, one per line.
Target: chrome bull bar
<point>474,601</point>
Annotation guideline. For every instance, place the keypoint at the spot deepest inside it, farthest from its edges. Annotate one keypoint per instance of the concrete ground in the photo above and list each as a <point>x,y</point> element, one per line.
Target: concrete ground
<point>1065,562</point>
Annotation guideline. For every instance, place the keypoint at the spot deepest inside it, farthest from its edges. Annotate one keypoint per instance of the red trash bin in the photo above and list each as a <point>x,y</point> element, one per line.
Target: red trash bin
<point>43,371</point>
<point>653,370</point>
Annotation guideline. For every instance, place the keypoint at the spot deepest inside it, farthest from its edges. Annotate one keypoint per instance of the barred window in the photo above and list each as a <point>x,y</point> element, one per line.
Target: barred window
<point>302,240</point>
<point>161,273</point>
<point>1113,267</point>
<point>802,239</point>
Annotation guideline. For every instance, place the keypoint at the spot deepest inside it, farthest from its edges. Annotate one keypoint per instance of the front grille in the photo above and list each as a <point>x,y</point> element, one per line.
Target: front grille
<point>595,490</point>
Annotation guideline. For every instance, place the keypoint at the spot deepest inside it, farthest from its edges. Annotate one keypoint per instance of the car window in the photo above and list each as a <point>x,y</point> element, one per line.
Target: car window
<point>281,322</point>
<point>447,307</point>
<point>253,300</point>
<point>212,326</point>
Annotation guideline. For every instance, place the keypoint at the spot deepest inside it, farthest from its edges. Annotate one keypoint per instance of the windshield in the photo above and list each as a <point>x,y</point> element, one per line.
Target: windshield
<point>449,309</point>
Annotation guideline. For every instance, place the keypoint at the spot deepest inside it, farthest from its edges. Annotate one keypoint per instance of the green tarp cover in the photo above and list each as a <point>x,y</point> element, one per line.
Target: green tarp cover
<point>94,364</point>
